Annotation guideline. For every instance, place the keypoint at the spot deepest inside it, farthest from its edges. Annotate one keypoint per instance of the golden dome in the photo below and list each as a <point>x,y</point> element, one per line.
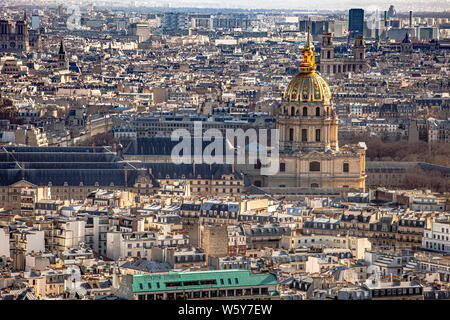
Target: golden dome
<point>307,85</point>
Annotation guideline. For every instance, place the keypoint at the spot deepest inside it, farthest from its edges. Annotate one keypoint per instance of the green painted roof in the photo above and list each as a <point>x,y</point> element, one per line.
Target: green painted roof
<point>188,280</point>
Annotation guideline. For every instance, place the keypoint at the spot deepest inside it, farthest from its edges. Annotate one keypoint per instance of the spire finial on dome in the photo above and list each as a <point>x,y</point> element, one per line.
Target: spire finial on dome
<point>308,40</point>
<point>308,56</point>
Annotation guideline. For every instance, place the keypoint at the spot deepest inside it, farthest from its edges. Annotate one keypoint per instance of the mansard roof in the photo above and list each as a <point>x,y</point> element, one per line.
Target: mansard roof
<point>93,166</point>
<point>160,146</point>
<point>73,177</point>
<point>178,171</point>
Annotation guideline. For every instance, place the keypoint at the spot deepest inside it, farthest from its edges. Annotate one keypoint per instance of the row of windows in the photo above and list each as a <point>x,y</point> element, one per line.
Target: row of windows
<point>191,283</point>
<point>438,237</point>
<point>396,292</point>
<point>304,135</point>
<point>295,112</point>
<point>217,190</point>
<point>205,294</point>
<point>315,166</point>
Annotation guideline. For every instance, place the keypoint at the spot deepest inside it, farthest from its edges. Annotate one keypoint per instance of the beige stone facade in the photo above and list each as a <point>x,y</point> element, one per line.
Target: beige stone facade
<point>330,65</point>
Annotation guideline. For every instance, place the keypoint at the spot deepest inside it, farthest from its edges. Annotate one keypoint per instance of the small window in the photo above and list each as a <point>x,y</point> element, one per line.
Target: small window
<point>317,135</point>
<point>282,167</point>
<point>291,134</point>
<point>305,111</point>
<point>345,167</point>
<point>314,166</point>
<point>236,280</point>
<point>304,135</point>
<point>318,112</point>
<point>221,281</point>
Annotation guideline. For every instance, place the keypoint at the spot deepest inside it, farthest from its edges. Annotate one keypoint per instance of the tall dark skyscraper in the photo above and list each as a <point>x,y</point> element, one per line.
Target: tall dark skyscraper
<point>355,22</point>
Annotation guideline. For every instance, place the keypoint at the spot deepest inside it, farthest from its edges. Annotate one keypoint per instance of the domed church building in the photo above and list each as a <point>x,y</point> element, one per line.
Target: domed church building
<point>310,155</point>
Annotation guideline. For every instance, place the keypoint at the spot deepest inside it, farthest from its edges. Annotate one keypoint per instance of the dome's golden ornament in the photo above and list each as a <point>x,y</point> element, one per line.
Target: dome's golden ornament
<point>307,85</point>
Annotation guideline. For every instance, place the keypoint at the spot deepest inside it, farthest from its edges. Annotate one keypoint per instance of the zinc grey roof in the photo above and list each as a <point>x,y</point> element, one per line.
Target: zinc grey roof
<point>160,146</point>
<point>178,171</point>
<point>73,177</point>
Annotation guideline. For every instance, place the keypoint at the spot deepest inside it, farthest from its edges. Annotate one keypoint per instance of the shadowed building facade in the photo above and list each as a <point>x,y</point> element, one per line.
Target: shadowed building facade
<point>14,37</point>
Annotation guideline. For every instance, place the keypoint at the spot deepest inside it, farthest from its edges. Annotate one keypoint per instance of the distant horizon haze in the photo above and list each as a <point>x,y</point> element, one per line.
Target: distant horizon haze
<point>332,5</point>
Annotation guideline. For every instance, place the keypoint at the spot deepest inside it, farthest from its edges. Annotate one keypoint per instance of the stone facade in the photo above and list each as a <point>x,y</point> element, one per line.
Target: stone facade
<point>330,65</point>
<point>14,36</point>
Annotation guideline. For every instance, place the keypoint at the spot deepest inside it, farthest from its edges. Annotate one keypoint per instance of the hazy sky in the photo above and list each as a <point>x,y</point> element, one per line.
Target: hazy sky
<point>402,5</point>
<point>370,5</point>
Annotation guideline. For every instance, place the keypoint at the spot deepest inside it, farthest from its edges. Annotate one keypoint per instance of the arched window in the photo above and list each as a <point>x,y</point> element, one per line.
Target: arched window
<point>328,54</point>
<point>318,112</point>
<point>317,135</point>
<point>314,166</point>
<point>345,167</point>
<point>305,111</point>
<point>292,111</point>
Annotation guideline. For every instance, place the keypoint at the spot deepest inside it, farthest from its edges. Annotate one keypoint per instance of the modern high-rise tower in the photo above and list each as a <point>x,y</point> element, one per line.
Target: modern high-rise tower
<point>355,22</point>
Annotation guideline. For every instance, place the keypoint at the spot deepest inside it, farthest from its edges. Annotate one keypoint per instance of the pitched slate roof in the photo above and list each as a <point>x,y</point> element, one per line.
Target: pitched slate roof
<point>75,165</point>
<point>71,165</point>
<point>161,146</point>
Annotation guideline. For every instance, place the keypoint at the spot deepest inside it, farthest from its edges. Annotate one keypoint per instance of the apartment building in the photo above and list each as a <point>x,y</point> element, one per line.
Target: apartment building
<point>436,238</point>
<point>219,284</point>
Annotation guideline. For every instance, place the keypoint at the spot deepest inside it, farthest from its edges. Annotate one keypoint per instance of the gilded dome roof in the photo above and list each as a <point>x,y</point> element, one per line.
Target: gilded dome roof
<point>307,85</point>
